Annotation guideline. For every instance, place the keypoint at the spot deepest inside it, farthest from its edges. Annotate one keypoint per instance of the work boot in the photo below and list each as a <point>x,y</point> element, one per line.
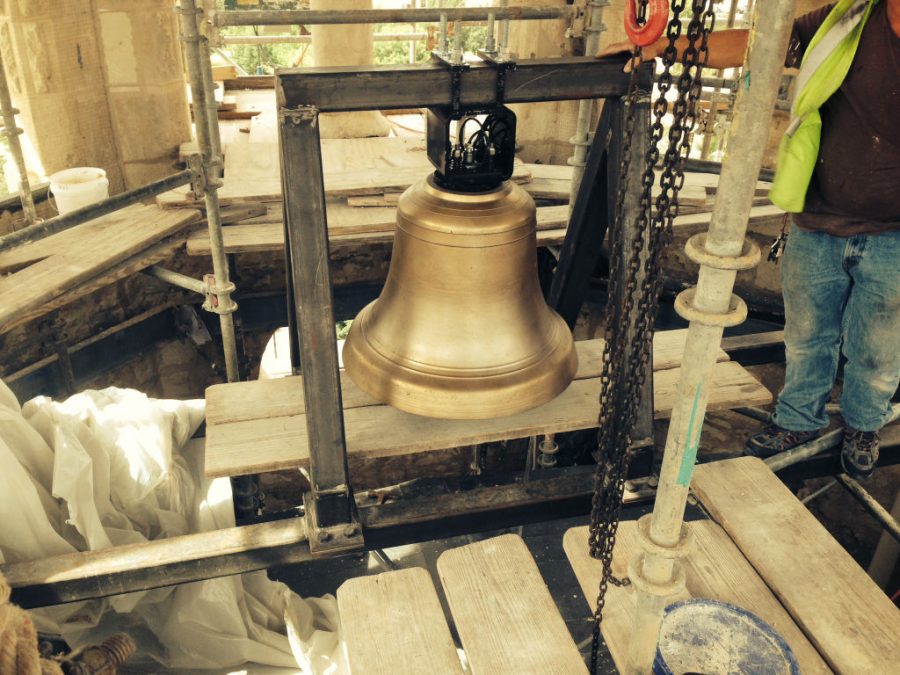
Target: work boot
<point>859,453</point>
<point>774,439</point>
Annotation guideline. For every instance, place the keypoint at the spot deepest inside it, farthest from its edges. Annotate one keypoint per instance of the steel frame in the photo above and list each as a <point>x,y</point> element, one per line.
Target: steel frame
<point>302,95</point>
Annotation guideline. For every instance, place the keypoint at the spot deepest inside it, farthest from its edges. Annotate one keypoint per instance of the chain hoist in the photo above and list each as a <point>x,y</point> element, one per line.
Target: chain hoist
<point>629,322</point>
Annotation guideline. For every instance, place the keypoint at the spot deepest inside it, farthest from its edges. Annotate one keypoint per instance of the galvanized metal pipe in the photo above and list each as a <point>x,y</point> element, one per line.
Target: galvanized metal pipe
<point>654,573</point>
<point>818,493</point>
<point>443,31</point>
<point>311,17</point>
<point>755,413</point>
<point>503,38</point>
<point>207,127</point>
<point>870,504</point>
<point>884,560</point>
<point>814,447</point>
<point>490,42</point>
<point>178,279</point>
<point>582,138</point>
<point>96,210</point>
<point>15,146</point>
<point>457,56</point>
<point>307,39</point>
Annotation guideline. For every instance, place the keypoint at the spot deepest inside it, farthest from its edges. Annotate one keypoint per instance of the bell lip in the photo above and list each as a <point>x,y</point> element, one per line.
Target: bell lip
<point>461,396</point>
<point>361,325</point>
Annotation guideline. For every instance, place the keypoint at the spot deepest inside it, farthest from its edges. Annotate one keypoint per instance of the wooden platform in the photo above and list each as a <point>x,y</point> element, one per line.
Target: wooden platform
<point>52,272</point>
<point>507,621</point>
<point>253,427</point>
<point>764,552</point>
<point>716,569</point>
<point>849,619</point>
<point>504,613</point>
<point>393,623</point>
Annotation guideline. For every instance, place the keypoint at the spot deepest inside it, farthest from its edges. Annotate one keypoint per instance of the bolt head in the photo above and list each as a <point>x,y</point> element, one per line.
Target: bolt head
<point>324,536</point>
<point>351,531</point>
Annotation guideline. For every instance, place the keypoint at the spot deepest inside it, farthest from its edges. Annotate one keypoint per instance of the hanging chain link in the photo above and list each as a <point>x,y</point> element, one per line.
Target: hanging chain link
<point>632,305</point>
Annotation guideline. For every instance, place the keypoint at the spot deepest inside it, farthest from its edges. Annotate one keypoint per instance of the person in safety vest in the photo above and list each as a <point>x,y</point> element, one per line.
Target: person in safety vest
<point>838,174</point>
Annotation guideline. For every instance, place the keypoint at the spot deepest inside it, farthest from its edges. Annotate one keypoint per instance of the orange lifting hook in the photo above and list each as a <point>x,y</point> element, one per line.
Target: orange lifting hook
<point>653,26</point>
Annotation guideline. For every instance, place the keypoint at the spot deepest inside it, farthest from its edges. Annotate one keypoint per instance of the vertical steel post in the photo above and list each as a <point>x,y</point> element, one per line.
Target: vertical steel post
<point>15,146</point>
<point>443,45</point>
<point>655,571</point>
<point>503,30</point>
<point>490,42</point>
<point>582,139</point>
<point>642,434</point>
<point>207,126</point>
<point>330,502</point>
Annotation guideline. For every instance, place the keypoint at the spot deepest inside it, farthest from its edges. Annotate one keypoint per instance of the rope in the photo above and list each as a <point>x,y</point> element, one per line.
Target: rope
<point>18,640</point>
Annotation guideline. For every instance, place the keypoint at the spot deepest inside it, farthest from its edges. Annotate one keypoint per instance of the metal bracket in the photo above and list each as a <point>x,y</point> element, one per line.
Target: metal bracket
<point>502,63</point>
<point>203,179</point>
<point>327,541</point>
<point>457,68</point>
<point>213,291</point>
<point>198,179</point>
<point>579,20</point>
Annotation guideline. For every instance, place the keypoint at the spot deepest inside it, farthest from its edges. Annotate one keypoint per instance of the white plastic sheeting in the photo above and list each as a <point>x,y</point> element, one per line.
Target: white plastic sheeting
<point>112,467</point>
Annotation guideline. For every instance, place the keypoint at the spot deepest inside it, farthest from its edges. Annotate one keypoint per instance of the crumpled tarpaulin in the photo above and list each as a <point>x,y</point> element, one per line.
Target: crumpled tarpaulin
<point>113,467</point>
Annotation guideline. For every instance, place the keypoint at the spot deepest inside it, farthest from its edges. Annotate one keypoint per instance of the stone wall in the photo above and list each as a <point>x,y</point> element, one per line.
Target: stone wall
<point>99,83</point>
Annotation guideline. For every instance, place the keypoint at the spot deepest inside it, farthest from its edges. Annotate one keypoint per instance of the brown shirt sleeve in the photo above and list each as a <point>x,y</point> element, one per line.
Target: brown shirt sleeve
<point>804,28</point>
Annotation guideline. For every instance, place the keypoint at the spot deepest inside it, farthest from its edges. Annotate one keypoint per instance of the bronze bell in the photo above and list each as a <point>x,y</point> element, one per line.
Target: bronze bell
<point>461,329</point>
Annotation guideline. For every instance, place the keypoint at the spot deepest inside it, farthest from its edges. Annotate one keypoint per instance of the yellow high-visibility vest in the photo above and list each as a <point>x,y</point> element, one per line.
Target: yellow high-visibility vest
<point>825,64</point>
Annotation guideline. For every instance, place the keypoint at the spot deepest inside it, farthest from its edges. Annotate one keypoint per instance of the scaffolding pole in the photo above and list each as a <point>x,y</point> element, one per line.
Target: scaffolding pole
<point>313,17</point>
<point>656,571</point>
<point>15,146</point>
<point>412,37</point>
<point>206,123</point>
<point>582,138</point>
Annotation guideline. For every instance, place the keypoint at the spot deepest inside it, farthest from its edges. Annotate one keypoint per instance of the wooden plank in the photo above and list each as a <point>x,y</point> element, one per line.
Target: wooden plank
<point>714,569</point>
<point>369,225</point>
<point>393,623</point>
<point>504,613</point>
<point>126,268</point>
<point>554,181</point>
<point>260,399</point>
<point>382,432</point>
<point>852,623</point>
<point>111,240</point>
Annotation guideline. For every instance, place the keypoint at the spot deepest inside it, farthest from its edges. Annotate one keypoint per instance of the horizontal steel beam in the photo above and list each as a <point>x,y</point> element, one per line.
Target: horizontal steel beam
<point>340,89</point>
<point>310,17</point>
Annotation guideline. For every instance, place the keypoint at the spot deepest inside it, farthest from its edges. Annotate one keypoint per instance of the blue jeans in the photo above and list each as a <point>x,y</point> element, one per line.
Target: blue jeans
<point>840,290</point>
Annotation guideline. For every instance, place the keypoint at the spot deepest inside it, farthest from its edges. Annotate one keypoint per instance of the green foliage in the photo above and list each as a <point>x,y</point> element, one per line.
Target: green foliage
<point>265,58</point>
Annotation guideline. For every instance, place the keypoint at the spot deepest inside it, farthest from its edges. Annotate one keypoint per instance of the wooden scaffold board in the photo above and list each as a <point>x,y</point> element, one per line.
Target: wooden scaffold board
<point>254,427</point>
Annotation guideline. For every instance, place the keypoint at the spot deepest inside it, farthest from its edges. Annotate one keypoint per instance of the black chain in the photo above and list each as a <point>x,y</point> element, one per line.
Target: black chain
<point>627,353</point>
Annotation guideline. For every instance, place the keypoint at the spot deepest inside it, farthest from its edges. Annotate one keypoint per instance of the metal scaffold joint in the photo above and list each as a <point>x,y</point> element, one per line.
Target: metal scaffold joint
<point>218,298</point>
<point>687,309</point>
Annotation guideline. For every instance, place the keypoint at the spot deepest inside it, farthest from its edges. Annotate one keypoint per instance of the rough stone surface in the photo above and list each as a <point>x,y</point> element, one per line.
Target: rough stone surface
<point>98,83</point>
<point>543,130</point>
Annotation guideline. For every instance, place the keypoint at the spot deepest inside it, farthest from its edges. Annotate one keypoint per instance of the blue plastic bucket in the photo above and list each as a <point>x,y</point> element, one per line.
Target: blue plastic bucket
<point>716,638</point>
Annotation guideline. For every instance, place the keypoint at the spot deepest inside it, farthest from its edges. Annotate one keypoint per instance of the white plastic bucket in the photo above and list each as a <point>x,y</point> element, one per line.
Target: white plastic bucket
<point>74,188</point>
